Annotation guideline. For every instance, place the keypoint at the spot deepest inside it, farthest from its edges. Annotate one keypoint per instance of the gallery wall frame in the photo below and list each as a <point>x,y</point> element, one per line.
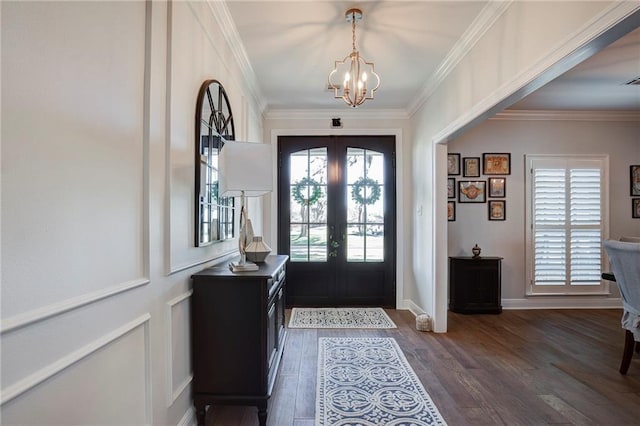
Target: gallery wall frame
<point>634,180</point>
<point>497,209</point>
<point>451,211</point>
<point>471,167</point>
<point>635,208</point>
<point>496,163</point>
<point>453,164</point>
<point>472,191</point>
<point>497,187</point>
<point>451,188</point>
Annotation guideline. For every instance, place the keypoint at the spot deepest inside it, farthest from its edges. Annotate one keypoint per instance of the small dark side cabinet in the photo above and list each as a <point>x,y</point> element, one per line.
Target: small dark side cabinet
<point>238,333</point>
<point>475,285</point>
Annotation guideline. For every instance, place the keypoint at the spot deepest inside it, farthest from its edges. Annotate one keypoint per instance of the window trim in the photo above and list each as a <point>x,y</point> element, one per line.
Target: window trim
<point>565,290</point>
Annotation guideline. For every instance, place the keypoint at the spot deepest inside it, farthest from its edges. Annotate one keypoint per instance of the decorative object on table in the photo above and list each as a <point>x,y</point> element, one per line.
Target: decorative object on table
<point>497,187</point>
<point>635,208</point>
<point>451,187</point>
<point>213,128</point>
<point>496,163</point>
<point>453,164</point>
<point>634,173</point>
<point>451,211</point>
<point>368,380</point>
<point>472,191</point>
<point>476,251</point>
<point>257,250</point>
<point>369,318</point>
<point>471,167</point>
<point>243,267</point>
<point>246,170</point>
<point>497,210</point>
<point>353,76</point>
<point>423,322</point>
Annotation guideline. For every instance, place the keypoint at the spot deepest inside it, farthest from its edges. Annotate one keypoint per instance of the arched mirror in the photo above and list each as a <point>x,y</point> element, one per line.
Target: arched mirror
<point>214,215</point>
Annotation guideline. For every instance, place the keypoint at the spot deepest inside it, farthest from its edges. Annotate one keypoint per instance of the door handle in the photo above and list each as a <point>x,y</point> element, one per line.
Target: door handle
<point>334,243</point>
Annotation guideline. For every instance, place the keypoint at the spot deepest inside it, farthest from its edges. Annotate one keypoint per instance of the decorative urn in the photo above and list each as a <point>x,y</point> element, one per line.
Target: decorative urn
<point>257,250</point>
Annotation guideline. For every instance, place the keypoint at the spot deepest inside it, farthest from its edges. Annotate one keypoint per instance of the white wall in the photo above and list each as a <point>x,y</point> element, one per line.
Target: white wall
<point>98,104</point>
<point>520,136</point>
<point>528,44</point>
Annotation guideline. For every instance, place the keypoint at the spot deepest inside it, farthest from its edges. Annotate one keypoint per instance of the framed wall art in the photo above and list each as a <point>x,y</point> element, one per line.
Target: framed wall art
<point>496,163</point>
<point>497,210</point>
<point>453,164</point>
<point>497,187</point>
<point>471,167</point>
<point>451,211</point>
<point>635,208</point>
<point>635,180</point>
<point>472,191</point>
<point>451,188</point>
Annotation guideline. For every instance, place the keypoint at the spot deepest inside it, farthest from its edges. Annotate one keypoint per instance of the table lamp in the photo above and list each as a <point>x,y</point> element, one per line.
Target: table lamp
<point>246,170</point>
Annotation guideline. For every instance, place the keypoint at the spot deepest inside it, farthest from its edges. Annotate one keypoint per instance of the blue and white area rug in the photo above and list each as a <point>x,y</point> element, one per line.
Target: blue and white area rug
<point>340,318</point>
<point>367,381</point>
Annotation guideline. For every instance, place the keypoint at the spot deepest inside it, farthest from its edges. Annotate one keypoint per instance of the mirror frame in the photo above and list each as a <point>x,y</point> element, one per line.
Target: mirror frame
<point>211,132</point>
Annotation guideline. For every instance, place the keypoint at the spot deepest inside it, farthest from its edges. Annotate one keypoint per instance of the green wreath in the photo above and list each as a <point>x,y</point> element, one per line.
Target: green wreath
<point>357,191</point>
<point>301,185</point>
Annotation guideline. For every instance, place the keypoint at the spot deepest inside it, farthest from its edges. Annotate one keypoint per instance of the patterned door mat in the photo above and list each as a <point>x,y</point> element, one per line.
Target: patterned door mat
<point>340,318</point>
<point>368,382</point>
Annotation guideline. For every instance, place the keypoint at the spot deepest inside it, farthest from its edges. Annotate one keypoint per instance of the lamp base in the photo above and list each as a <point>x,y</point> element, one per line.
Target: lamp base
<point>257,250</point>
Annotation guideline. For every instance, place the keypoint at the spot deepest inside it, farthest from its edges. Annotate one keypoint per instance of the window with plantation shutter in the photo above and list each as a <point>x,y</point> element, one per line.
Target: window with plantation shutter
<point>566,224</point>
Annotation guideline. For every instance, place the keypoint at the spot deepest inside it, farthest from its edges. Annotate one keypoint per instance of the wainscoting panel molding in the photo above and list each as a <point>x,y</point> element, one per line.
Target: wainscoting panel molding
<point>46,312</point>
<point>179,372</point>
<point>55,378</point>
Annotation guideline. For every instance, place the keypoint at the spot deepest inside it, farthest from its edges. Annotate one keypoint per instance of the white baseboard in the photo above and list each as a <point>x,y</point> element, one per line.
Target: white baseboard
<point>189,418</point>
<point>408,305</point>
<point>564,302</point>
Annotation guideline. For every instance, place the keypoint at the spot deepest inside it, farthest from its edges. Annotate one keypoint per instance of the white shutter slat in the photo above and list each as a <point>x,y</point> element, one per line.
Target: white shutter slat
<point>549,197</point>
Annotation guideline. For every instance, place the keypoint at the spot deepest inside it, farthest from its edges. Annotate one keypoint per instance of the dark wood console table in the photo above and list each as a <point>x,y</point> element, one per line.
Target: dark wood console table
<point>238,333</point>
<point>475,285</point>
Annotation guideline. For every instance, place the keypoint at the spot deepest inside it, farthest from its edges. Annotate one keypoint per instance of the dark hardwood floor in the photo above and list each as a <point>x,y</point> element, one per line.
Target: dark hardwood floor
<point>534,367</point>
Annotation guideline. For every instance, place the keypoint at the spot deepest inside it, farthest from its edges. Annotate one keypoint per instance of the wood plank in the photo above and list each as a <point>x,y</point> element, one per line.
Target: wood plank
<point>520,367</point>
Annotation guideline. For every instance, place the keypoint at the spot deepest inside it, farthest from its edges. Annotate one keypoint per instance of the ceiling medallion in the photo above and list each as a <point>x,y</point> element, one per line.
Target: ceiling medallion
<point>351,78</point>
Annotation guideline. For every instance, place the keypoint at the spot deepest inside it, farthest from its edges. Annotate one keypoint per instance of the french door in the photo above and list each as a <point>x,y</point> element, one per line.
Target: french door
<point>337,219</point>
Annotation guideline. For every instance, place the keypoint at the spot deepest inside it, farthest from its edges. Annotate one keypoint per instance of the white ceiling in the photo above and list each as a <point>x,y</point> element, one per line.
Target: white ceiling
<point>291,46</point>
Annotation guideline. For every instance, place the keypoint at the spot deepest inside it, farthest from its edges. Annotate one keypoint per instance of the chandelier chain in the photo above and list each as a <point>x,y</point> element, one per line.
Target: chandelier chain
<point>353,29</point>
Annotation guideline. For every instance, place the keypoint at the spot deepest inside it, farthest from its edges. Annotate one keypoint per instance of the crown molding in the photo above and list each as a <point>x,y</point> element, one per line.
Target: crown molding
<point>222,15</point>
<point>323,114</point>
<point>566,115</point>
<point>480,25</point>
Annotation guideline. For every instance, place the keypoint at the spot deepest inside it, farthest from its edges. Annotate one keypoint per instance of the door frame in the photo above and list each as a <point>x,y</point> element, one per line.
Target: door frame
<point>271,201</point>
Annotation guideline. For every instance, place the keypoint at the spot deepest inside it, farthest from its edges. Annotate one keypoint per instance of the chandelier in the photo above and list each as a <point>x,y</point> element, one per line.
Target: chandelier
<point>355,72</point>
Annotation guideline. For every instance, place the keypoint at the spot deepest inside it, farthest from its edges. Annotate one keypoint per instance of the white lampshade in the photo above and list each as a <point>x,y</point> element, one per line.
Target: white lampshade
<point>245,166</point>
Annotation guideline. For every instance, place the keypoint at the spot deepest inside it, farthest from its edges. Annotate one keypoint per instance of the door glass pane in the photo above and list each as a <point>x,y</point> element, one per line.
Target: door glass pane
<point>308,205</point>
<point>365,205</point>
<point>318,243</point>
